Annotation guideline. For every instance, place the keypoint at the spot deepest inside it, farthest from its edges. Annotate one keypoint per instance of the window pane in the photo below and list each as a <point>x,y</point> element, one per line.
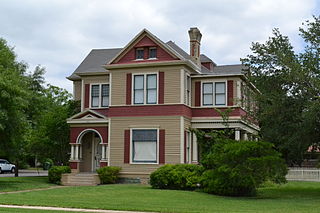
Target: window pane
<point>144,135</point>
<point>95,101</point>
<point>207,88</point>
<point>138,96</point>
<point>151,96</point>
<point>220,87</point>
<point>220,99</point>
<point>208,99</point>
<point>145,151</point>
<point>105,90</point>
<point>95,90</point>
<point>138,82</point>
<point>151,81</point>
<point>105,101</point>
<point>152,53</point>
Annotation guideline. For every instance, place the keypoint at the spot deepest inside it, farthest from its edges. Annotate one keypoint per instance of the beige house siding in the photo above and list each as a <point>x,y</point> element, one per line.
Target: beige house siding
<point>171,125</point>
<point>77,90</point>
<point>95,79</point>
<point>171,83</point>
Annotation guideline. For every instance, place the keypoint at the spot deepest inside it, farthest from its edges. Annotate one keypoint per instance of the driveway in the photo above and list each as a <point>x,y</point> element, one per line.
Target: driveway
<point>27,173</point>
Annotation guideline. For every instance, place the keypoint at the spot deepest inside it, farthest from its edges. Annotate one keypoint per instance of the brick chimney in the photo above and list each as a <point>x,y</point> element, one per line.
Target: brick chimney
<point>195,38</point>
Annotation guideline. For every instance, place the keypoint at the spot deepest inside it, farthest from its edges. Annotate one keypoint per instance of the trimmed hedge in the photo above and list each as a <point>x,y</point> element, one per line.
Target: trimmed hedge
<point>55,173</point>
<point>179,176</point>
<point>108,174</point>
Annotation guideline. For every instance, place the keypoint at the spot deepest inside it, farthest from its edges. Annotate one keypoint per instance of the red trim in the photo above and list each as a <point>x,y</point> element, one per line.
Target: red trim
<point>126,146</point>
<point>86,95</point>
<point>197,93</point>
<point>185,147</point>
<point>73,165</point>
<point>211,112</point>
<point>129,87</point>
<point>75,131</point>
<point>161,87</point>
<point>162,139</point>
<point>154,110</point>
<point>230,92</point>
<point>103,164</point>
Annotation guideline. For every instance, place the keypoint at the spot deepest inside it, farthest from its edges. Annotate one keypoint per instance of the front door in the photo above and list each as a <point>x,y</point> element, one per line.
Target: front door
<point>97,154</point>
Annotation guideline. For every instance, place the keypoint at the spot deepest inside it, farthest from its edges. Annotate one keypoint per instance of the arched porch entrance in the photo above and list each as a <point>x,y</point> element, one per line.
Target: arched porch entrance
<point>89,152</point>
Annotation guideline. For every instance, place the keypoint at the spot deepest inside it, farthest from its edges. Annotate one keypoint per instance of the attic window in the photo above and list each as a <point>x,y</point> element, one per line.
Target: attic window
<point>152,52</point>
<point>139,53</point>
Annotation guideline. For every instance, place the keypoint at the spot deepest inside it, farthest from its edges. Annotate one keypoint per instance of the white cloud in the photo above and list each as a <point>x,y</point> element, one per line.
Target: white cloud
<point>59,34</point>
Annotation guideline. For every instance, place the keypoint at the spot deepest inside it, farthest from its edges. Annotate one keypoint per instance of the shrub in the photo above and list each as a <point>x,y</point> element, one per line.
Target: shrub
<point>55,173</point>
<point>179,176</point>
<point>108,174</point>
<point>238,168</point>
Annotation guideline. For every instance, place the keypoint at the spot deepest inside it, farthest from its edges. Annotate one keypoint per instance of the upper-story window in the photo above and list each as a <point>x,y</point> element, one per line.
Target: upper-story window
<point>145,89</point>
<point>99,95</point>
<point>187,85</point>
<point>152,52</point>
<point>139,53</point>
<point>214,93</point>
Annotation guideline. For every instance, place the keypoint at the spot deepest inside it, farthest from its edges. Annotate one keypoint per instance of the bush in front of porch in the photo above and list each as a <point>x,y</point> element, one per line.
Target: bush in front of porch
<point>55,172</point>
<point>108,174</point>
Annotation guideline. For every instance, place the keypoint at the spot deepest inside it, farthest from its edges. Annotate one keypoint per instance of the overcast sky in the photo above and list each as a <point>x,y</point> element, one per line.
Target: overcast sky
<point>59,34</point>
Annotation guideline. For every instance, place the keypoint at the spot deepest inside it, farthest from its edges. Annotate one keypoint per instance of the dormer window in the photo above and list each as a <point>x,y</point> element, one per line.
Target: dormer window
<point>139,54</point>
<point>153,52</point>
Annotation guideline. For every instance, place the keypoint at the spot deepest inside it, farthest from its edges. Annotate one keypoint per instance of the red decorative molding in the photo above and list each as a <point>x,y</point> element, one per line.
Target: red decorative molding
<point>73,165</point>
<point>161,88</point>
<point>154,110</point>
<point>230,92</point>
<point>211,112</point>
<point>129,87</point>
<point>103,164</point>
<point>162,139</point>
<point>208,65</point>
<point>76,131</point>
<point>86,95</point>
<point>197,93</point>
<point>104,111</point>
<point>126,146</point>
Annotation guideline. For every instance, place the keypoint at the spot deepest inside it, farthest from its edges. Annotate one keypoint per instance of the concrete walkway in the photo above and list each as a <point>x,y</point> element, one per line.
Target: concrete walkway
<point>66,209</point>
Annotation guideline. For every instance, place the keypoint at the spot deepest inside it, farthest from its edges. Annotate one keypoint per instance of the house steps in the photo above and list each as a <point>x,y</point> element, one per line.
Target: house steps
<point>80,179</point>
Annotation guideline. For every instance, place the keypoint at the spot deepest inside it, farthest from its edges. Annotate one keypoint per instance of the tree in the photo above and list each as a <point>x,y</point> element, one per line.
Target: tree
<point>13,103</point>
<point>290,89</point>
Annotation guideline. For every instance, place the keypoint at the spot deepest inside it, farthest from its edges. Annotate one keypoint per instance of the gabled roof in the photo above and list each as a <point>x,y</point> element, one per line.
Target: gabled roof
<point>140,35</point>
<point>87,114</point>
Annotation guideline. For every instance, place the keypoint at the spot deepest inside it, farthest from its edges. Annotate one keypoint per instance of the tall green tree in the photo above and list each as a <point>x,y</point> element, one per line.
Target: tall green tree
<point>290,89</point>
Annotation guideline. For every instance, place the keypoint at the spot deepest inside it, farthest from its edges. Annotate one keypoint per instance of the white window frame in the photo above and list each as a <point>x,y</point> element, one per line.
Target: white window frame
<point>144,88</point>
<point>131,146</point>
<point>100,96</point>
<point>188,98</point>
<point>214,94</point>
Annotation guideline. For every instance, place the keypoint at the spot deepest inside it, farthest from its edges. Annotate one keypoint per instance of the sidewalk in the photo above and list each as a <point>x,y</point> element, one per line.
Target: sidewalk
<point>66,209</point>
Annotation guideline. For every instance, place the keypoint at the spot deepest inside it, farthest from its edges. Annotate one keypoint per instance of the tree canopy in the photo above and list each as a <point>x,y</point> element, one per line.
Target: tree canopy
<point>289,82</point>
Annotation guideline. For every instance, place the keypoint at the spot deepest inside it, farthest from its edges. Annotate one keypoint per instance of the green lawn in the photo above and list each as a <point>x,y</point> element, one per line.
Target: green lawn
<point>30,211</point>
<point>23,183</point>
<point>292,197</point>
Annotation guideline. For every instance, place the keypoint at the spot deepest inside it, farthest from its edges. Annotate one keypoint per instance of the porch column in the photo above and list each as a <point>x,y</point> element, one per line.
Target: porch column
<point>194,148</point>
<point>77,152</point>
<point>72,152</point>
<point>237,135</point>
<point>80,151</point>
<point>103,152</point>
<point>245,136</point>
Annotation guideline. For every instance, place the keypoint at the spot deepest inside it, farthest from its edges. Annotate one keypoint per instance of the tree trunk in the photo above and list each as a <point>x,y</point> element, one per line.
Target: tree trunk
<point>16,172</point>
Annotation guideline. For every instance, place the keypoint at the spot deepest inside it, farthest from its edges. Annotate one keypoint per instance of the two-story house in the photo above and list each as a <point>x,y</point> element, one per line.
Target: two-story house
<point>139,102</point>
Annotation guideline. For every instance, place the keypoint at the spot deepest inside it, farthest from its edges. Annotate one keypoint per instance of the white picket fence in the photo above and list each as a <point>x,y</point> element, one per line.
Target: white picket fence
<point>303,174</point>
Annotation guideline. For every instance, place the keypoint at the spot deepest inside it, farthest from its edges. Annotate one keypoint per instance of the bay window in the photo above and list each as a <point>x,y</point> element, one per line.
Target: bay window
<point>144,145</point>
<point>214,94</point>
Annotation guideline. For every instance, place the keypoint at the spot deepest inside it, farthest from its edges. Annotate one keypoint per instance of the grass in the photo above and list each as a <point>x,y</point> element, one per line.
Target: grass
<point>293,197</point>
<point>30,210</point>
<point>8,184</point>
